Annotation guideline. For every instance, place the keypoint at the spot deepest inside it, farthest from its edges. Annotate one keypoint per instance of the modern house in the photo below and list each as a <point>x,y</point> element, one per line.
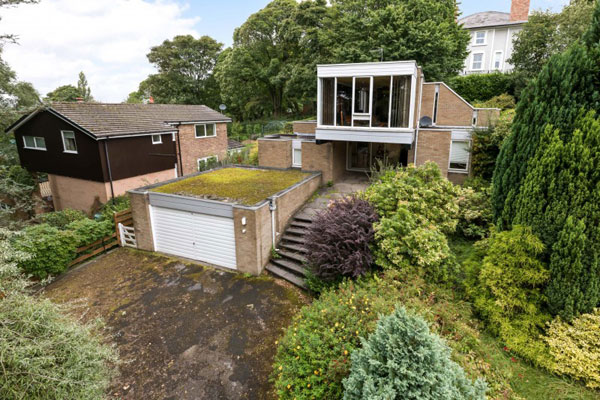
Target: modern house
<point>93,152</point>
<point>492,37</point>
<point>379,111</point>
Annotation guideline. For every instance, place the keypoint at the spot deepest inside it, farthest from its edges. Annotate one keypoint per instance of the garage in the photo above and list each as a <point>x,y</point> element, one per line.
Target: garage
<point>198,230</point>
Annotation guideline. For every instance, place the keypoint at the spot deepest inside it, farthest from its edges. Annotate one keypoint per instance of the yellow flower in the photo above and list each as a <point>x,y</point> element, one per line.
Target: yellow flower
<point>308,385</point>
<point>277,342</point>
<point>280,367</point>
<point>298,347</point>
<point>316,372</point>
<point>336,324</point>
<point>345,352</point>
<point>289,386</point>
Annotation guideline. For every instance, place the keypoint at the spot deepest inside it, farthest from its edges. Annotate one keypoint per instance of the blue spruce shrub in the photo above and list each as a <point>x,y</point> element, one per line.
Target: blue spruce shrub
<point>402,359</point>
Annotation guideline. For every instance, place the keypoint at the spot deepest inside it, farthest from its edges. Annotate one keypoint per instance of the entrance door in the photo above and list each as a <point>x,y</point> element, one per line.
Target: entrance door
<point>359,156</point>
<point>362,156</point>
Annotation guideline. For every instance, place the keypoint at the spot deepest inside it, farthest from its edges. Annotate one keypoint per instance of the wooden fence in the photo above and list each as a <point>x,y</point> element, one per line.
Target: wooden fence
<point>106,243</point>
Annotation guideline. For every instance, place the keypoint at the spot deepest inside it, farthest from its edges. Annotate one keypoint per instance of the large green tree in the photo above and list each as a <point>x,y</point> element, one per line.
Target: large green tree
<point>566,84</point>
<point>70,93</point>
<point>547,33</point>
<point>421,30</point>
<point>185,72</point>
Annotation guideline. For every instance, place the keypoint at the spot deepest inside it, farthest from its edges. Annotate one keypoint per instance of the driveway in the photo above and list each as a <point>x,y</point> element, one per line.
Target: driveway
<point>183,331</point>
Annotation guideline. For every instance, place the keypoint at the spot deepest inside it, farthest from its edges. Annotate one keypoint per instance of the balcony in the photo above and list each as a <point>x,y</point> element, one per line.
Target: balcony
<point>367,102</point>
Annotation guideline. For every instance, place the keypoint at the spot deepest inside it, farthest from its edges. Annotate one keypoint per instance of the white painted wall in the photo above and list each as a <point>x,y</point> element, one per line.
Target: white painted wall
<point>498,39</point>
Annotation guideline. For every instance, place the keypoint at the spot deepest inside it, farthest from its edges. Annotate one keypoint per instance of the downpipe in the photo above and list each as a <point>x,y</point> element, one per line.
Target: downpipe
<point>273,208</point>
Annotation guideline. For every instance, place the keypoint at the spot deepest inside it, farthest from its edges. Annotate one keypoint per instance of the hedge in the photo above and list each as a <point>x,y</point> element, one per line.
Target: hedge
<point>483,87</point>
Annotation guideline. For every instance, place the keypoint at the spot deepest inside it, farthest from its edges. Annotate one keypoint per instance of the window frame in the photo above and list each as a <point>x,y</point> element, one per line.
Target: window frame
<point>500,61</point>
<point>62,134</point>
<point>468,166</point>
<point>35,143</point>
<point>215,156</point>
<point>475,38</point>
<point>159,139</point>
<point>473,61</point>
<point>205,135</point>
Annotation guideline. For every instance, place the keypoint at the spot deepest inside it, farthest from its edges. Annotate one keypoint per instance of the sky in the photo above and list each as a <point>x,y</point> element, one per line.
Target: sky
<point>109,39</point>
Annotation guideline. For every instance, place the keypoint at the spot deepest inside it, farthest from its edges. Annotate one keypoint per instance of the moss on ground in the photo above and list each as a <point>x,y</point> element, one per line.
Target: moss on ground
<point>246,186</point>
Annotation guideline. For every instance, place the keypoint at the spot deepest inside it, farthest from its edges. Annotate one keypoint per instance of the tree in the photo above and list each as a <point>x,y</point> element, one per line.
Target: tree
<point>84,90</point>
<point>421,30</point>
<point>10,3</point>
<point>566,84</point>
<point>546,34</point>
<point>185,72</point>
<point>63,93</point>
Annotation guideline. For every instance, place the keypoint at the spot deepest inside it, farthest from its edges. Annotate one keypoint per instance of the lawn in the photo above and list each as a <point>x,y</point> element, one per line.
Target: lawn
<point>241,185</point>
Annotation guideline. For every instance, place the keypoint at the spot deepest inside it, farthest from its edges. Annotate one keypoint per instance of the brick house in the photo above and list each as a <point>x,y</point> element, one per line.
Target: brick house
<point>379,111</point>
<point>93,152</point>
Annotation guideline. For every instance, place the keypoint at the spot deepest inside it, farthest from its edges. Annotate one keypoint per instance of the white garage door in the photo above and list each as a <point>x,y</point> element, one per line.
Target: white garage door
<point>193,235</point>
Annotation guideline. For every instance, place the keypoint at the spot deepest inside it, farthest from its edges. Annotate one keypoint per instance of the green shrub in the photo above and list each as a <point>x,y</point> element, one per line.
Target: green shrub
<point>60,219</point>
<point>486,145</point>
<point>503,101</point>
<point>475,212</point>
<point>422,191</point>
<point>314,355</point>
<point>402,359</point>
<point>483,87</point>
<point>88,231</point>
<point>575,347</point>
<point>119,203</point>
<point>51,250</point>
<point>509,296</point>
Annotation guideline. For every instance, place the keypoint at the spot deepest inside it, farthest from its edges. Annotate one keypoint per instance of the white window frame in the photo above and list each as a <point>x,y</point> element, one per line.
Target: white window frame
<point>173,136</point>
<point>296,145</point>
<point>458,170</point>
<point>62,134</point>
<point>216,157</point>
<point>473,61</point>
<point>35,143</point>
<point>205,135</point>
<point>154,141</point>
<point>501,61</point>
<point>475,38</point>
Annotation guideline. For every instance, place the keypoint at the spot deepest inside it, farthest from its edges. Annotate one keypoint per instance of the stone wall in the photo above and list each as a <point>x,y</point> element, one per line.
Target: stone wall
<point>275,153</point>
<point>253,240</point>
<point>123,185</point>
<point>140,213</point>
<point>193,148</point>
<point>78,194</point>
<point>305,127</point>
<point>289,202</point>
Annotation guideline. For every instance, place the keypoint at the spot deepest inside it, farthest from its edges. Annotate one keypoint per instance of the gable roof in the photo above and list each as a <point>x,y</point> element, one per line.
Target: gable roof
<point>103,120</point>
<point>487,19</point>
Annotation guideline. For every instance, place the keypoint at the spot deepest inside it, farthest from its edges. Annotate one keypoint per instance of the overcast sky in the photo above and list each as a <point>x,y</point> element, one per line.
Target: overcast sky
<point>109,39</point>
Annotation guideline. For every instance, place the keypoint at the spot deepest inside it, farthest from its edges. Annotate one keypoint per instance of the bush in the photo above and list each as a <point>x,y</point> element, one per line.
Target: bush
<point>338,242</point>
<point>314,355</point>
<point>503,101</point>
<point>509,295</point>
<point>118,204</point>
<point>486,145</point>
<point>483,87</point>
<point>402,359</point>
<point>574,347</point>
<point>60,219</point>
<point>51,250</point>
<point>475,212</point>
<point>88,231</point>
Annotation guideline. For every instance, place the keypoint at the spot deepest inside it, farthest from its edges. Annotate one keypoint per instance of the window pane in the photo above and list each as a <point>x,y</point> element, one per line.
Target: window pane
<point>29,141</point>
<point>210,130</point>
<point>200,131</point>
<point>40,143</point>
<point>344,102</point>
<point>362,88</point>
<point>459,155</point>
<point>327,97</point>
<point>298,156</point>
<point>156,139</point>
<point>381,101</point>
<point>401,88</point>
<point>359,155</point>
<point>69,141</point>
<point>363,123</point>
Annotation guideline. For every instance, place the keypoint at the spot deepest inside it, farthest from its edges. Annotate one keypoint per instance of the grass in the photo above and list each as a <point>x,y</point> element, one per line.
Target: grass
<point>245,186</point>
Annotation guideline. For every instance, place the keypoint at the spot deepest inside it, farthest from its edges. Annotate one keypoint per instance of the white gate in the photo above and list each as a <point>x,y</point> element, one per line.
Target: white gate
<point>127,235</point>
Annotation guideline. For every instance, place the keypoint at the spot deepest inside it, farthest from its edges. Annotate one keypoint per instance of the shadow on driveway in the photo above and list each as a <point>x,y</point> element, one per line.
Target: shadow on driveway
<point>183,331</point>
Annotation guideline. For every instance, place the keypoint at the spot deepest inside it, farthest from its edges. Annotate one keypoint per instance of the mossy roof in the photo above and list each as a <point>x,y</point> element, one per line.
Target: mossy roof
<point>240,185</point>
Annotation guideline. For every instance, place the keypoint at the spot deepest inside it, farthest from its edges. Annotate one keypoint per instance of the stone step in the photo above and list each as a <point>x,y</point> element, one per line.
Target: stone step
<point>292,256</point>
<point>295,239</point>
<point>295,231</point>
<point>300,224</point>
<point>291,266</point>
<point>284,274</point>
<point>304,217</point>
<point>293,247</point>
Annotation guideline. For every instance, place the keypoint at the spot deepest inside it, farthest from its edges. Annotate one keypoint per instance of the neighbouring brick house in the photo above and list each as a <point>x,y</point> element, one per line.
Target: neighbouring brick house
<point>379,111</point>
<point>93,151</point>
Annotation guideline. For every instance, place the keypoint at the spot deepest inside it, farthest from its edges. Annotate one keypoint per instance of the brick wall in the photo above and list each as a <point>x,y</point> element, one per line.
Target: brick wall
<point>253,241</point>
<point>193,148</point>
<point>434,146</point>
<point>141,220</point>
<point>308,127</point>
<point>123,185</point>
<point>291,201</point>
<point>78,194</point>
<point>275,153</point>
<point>452,110</point>
<point>318,157</point>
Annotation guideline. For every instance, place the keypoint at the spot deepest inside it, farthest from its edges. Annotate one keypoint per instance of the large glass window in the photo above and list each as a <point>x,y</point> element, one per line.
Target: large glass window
<point>327,99</point>
<point>362,89</point>
<point>344,102</point>
<point>381,101</point>
<point>400,98</point>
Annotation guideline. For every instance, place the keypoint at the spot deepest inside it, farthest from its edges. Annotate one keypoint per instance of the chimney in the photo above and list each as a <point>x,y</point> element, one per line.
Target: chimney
<point>151,100</point>
<point>519,10</point>
<point>79,99</point>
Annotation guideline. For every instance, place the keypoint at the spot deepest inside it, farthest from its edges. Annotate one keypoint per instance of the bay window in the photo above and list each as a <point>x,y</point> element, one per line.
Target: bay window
<point>366,102</point>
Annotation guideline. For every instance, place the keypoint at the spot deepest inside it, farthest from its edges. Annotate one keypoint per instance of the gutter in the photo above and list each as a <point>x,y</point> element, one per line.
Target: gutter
<point>112,190</point>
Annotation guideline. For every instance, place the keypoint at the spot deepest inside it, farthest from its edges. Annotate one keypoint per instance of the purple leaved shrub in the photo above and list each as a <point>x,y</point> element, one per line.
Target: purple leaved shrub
<point>339,240</point>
